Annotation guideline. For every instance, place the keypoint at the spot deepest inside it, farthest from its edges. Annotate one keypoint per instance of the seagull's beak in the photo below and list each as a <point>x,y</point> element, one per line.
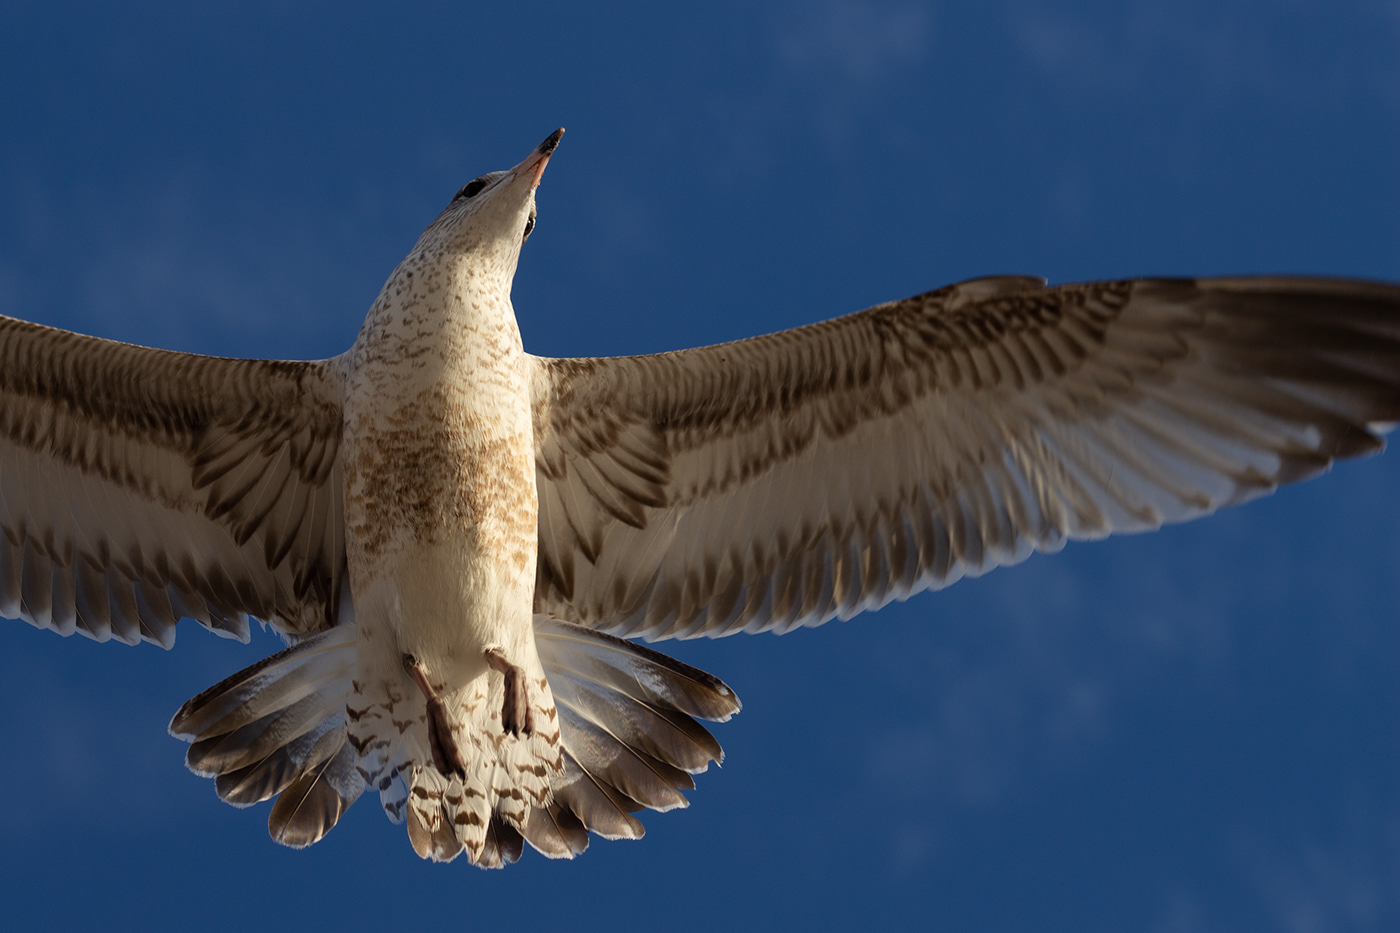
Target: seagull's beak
<point>534,164</point>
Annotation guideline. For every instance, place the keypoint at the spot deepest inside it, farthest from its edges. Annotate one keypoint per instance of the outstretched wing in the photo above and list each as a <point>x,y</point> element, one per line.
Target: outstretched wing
<point>139,486</point>
<point>815,473</point>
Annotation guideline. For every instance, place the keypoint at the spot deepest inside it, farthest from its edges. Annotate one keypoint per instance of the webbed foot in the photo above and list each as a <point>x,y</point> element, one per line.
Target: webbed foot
<point>517,715</point>
<point>447,757</point>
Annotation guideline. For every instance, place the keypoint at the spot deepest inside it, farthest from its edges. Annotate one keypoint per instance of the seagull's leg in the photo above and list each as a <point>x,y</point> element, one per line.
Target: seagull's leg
<point>447,757</point>
<point>517,716</point>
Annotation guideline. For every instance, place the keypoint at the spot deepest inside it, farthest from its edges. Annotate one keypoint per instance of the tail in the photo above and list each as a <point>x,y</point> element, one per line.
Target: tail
<point>627,721</point>
<point>277,729</point>
<point>627,717</point>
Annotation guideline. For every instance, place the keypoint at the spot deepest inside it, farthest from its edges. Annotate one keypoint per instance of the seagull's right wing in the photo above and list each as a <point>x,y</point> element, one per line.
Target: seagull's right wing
<point>818,472</point>
<point>139,486</point>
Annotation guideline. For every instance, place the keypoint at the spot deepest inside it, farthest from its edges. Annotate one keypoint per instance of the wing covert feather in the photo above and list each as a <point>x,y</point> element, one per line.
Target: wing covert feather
<point>812,474</point>
<point>139,486</point>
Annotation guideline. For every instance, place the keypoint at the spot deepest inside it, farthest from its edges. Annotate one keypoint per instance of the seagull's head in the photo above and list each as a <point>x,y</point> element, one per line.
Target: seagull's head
<point>489,219</point>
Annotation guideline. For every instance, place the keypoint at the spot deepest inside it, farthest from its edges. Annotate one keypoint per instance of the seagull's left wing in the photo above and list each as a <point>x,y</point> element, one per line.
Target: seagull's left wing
<point>815,473</point>
<point>139,486</point>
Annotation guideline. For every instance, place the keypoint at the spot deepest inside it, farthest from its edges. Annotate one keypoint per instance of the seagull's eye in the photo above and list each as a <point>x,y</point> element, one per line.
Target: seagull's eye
<point>529,225</point>
<point>471,189</point>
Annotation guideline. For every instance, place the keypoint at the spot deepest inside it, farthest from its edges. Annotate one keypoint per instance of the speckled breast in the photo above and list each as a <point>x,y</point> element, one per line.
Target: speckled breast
<point>447,466</point>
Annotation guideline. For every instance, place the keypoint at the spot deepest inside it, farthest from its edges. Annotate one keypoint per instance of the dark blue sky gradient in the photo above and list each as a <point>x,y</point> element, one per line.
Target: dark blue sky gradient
<point>1196,730</point>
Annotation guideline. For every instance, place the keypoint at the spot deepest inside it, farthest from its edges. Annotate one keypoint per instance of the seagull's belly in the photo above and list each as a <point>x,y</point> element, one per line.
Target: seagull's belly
<point>444,603</point>
<point>441,531</point>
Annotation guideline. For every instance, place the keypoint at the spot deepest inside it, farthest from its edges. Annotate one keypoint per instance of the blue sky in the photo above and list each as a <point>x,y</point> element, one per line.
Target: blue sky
<point>1195,730</point>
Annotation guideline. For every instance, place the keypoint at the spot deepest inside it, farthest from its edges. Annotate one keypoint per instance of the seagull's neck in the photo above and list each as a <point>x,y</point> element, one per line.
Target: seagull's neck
<point>441,319</point>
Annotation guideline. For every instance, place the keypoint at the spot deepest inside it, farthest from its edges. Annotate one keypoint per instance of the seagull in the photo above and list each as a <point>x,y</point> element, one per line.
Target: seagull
<point>457,539</point>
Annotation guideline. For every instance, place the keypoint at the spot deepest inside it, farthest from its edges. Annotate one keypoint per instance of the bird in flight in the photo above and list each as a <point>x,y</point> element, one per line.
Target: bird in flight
<point>456,538</point>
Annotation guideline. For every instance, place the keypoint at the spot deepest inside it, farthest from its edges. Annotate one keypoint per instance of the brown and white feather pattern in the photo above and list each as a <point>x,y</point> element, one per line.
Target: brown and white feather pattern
<point>142,486</point>
<point>758,485</point>
<point>812,474</point>
<point>440,532</point>
<point>626,730</point>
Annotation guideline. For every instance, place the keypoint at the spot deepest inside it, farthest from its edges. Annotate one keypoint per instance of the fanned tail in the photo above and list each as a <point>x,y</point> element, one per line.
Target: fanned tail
<point>626,717</point>
<point>278,728</point>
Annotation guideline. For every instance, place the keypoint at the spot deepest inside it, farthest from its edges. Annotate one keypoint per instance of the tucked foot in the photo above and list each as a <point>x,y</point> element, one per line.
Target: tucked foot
<point>517,716</point>
<point>447,757</point>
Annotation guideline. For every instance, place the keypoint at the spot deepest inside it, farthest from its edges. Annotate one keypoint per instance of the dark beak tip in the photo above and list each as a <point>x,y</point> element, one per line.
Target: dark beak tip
<point>549,145</point>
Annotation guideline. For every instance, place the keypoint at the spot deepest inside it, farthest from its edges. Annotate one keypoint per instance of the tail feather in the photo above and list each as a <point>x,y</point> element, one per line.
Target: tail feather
<point>265,778</point>
<point>278,727</point>
<point>254,742</point>
<point>584,655</point>
<point>627,726</point>
<point>312,804</point>
<point>504,845</point>
<point>555,832</point>
<point>430,826</point>
<point>625,719</point>
<point>665,734</point>
<point>600,807</point>
<point>273,684</point>
<point>393,797</point>
<point>636,774</point>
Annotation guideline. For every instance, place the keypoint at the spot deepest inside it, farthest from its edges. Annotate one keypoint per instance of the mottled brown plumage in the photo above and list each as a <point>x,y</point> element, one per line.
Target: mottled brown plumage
<point>812,474</point>
<point>445,527</point>
<point>143,485</point>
